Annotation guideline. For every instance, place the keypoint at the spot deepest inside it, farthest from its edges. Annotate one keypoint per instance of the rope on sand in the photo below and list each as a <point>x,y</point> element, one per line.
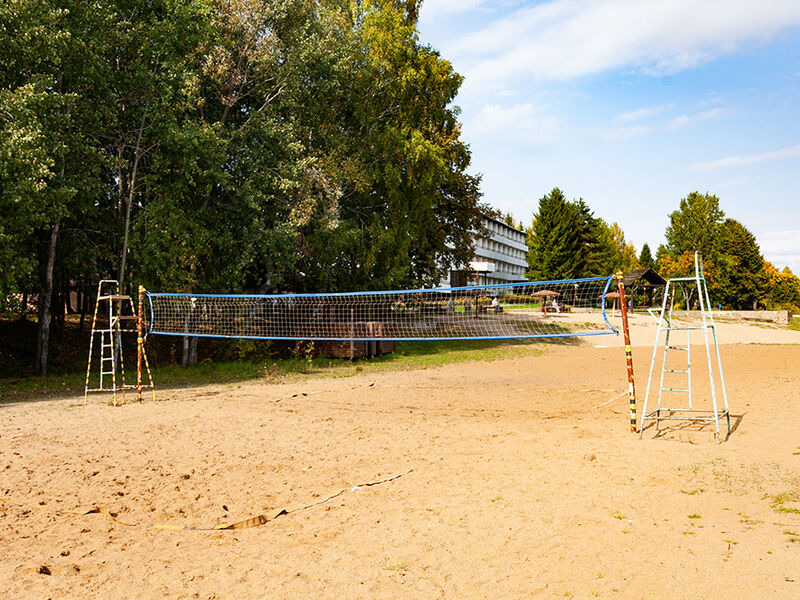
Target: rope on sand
<point>255,521</point>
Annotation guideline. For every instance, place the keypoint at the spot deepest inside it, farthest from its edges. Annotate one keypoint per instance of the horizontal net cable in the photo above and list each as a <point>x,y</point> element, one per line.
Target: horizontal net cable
<point>540,309</point>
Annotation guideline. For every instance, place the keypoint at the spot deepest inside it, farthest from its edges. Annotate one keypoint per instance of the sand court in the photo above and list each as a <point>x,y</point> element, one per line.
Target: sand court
<point>510,478</point>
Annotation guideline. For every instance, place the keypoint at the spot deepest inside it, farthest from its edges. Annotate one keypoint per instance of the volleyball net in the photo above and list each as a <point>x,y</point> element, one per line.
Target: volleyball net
<point>540,309</point>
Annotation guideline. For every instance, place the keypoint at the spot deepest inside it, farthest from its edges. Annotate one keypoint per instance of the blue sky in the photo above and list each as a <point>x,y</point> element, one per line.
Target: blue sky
<point>632,105</point>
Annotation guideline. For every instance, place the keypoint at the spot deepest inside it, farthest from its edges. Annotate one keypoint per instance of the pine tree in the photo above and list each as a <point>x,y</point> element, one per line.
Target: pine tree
<point>741,279</point>
<point>646,258</point>
<point>555,242</point>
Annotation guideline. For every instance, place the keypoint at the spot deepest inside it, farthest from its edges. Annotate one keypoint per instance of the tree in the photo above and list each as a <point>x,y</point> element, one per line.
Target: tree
<point>694,225</point>
<point>661,254</point>
<point>646,258</point>
<point>617,253</point>
<point>595,246</point>
<point>784,289</point>
<point>566,240</point>
<point>49,167</point>
<point>292,145</point>
<point>683,266</point>
<point>740,276</point>
<point>556,240</point>
<point>509,220</point>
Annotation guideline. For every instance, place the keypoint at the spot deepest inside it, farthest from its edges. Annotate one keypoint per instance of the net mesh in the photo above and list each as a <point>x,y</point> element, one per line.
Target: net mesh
<point>521,310</point>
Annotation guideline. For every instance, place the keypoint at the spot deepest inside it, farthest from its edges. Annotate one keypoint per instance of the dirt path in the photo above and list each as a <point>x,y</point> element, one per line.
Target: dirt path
<point>517,478</point>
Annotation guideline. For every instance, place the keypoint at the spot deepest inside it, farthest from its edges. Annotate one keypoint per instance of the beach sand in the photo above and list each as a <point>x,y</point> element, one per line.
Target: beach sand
<point>514,478</point>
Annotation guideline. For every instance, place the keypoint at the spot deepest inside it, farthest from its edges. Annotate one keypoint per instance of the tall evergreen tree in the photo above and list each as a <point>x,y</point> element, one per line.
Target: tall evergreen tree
<point>593,249</point>
<point>555,241</point>
<point>740,277</point>
<point>646,258</point>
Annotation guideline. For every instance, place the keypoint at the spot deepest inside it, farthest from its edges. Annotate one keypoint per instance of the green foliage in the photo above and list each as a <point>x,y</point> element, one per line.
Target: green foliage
<point>556,241</point>
<point>509,220</point>
<point>661,254</point>
<point>291,145</point>
<point>684,266</point>
<point>784,289</point>
<point>740,277</point>
<point>694,225</point>
<point>617,253</point>
<point>646,260</point>
<point>566,240</point>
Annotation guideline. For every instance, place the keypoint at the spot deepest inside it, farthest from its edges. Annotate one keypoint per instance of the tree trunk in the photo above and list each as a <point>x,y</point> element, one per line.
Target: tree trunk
<point>129,200</point>
<point>43,343</point>
<point>84,304</point>
<point>189,354</point>
<point>23,310</point>
<point>56,318</point>
<point>68,298</point>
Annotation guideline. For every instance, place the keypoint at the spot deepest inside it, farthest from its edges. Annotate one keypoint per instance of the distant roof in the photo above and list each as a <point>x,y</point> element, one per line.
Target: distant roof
<point>503,223</point>
<point>648,275</point>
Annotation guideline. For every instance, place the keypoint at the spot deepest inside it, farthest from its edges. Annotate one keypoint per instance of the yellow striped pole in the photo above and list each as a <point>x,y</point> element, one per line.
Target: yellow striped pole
<point>628,354</point>
<point>91,343</point>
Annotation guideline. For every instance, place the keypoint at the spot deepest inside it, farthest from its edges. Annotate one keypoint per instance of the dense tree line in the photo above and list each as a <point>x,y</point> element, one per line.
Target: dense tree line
<point>738,275</point>
<point>566,241</point>
<point>225,145</point>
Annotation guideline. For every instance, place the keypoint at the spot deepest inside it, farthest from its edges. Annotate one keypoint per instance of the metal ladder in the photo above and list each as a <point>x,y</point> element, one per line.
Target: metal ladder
<point>668,346</point>
<point>120,309</point>
<point>667,325</point>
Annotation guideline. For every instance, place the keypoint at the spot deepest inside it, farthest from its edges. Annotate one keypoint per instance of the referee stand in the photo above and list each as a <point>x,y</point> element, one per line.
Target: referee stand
<point>115,315</point>
<point>678,381</point>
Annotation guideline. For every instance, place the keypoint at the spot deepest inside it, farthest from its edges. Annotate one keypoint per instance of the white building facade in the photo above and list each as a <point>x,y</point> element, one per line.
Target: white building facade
<point>500,257</point>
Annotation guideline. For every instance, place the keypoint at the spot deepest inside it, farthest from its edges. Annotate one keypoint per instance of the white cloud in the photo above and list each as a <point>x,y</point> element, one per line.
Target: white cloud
<point>751,159</point>
<point>436,8</point>
<point>614,134</point>
<point>565,39</point>
<point>734,182</point>
<point>682,121</point>
<point>781,248</point>
<point>630,129</point>
<point>642,113</point>
<point>523,122</point>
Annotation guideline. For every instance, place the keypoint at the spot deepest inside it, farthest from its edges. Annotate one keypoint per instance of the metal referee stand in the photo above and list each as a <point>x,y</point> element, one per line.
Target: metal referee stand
<point>667,325</point>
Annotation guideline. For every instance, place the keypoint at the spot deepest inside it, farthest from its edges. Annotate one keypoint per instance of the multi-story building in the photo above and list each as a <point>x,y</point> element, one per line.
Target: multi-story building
<point>500,257</point>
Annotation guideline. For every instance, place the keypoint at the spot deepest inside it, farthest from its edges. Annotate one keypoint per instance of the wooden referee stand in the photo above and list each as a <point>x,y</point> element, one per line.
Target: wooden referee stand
<point>114,314</point>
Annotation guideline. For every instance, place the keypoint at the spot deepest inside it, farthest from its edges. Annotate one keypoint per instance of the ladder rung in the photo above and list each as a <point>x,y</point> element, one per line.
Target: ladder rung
<point>673,390</point>
<point>115,297</point>
<point>674,371</point>
<point>678,348</point>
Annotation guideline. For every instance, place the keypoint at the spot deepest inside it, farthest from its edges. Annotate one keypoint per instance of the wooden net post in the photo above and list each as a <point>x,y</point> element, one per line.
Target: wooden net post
<point>628,354</point>
<point>139,344</point>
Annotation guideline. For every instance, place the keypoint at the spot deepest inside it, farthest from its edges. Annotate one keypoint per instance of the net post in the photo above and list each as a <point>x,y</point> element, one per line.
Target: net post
<point>352,335</point>
<point>139,343</point>
<point>628,353</point>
